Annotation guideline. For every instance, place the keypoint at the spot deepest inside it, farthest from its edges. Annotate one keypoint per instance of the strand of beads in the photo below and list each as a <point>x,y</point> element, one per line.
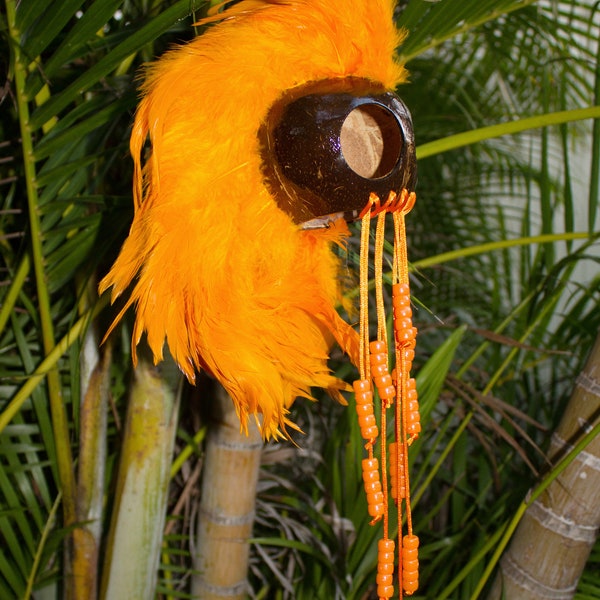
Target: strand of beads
<point>396,471</point>
<point>380,373</point>
<point>408,430</point>
<point>373,489</point>
<point>413,416</point>
<point>404,332</point>
<point>405,335</point>
<point>410,564</point>
<point>385,568</point>
<point>365,412</point>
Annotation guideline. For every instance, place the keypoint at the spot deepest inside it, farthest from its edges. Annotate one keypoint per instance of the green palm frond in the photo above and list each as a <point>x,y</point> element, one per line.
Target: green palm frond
<point>69,97</point>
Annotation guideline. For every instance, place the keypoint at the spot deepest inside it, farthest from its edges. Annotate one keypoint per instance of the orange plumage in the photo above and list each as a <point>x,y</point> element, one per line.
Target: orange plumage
<point>221,273</point>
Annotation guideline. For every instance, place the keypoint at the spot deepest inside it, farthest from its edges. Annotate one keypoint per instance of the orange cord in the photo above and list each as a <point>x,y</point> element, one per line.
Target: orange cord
<point>398,387</point>
<point>378,275</point>
<point>408,429</point>
<point>364,369</point>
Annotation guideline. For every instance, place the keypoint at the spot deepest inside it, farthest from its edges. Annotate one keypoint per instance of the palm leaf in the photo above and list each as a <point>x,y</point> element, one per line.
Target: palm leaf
<point>73,105</point>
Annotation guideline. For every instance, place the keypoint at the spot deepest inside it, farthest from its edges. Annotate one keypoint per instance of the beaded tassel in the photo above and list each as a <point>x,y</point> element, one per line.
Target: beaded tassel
<point>396,388</point>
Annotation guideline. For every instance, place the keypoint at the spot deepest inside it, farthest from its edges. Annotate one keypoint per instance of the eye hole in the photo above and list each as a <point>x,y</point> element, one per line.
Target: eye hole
<point>371,141</point>
<point>326,146</point>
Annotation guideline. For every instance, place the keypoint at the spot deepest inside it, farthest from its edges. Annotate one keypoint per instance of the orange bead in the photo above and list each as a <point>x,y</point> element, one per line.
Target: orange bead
<point>372,487</point>
<point>410,566</point>
<point>394,469</point>
<point>404,337</point>
<point>385,567</point>
<point>402,487</point>
<point>410,586</point>
<point>414,416</point>
<point>367,420</point>
<point>370,464</point>
<point>410,542</point>
<point>370,476</point>
<point>385,591</point>
<point>378,347</point>
<point>379,370</point>
<point>384,579</point>
<point>369,433</point>
<point>393,450</point>
<point>412,406</point>
<point>364,397</point>
<point>386,546</point>
<point>403,312</point>
<point>379,358</point>
<point>383,381</point>
<point>388,392</point>
<point>374,497</point>
<point>400,302</point>
<point>361,385</point>
<point>364,409</point>
<point>403,323</point>
<point>414,428</point>
<point>375,510</point>
<point>402,490</point>
<point>400,290</point>
<point>408,354</point>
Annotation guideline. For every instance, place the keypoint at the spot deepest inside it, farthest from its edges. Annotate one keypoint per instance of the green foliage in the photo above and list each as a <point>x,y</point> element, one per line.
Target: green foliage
<point>67,105</point>
<point>504,255</point>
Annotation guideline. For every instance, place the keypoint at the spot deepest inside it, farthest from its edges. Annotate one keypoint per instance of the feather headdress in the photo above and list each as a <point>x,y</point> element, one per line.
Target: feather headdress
<point>226,278</point>
<point>260,134</point>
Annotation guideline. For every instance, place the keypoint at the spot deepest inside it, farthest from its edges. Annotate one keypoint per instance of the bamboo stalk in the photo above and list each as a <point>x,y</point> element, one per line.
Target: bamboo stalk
<point>552,543</point>
<point>137,526</point>
<point>226,515</point>
<point>91,467</point>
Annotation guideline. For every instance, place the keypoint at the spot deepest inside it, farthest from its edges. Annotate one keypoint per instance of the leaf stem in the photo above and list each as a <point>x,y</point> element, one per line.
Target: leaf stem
<point>467,138</point>
<point>59,417</point>
<point>438,259</point>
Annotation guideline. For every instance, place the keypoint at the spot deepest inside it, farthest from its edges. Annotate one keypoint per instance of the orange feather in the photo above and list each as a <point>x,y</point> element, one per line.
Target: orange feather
<point>231,283</point>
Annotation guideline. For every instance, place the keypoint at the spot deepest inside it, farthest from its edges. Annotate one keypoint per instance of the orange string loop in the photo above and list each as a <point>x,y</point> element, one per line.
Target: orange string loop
<point>373,205</point>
